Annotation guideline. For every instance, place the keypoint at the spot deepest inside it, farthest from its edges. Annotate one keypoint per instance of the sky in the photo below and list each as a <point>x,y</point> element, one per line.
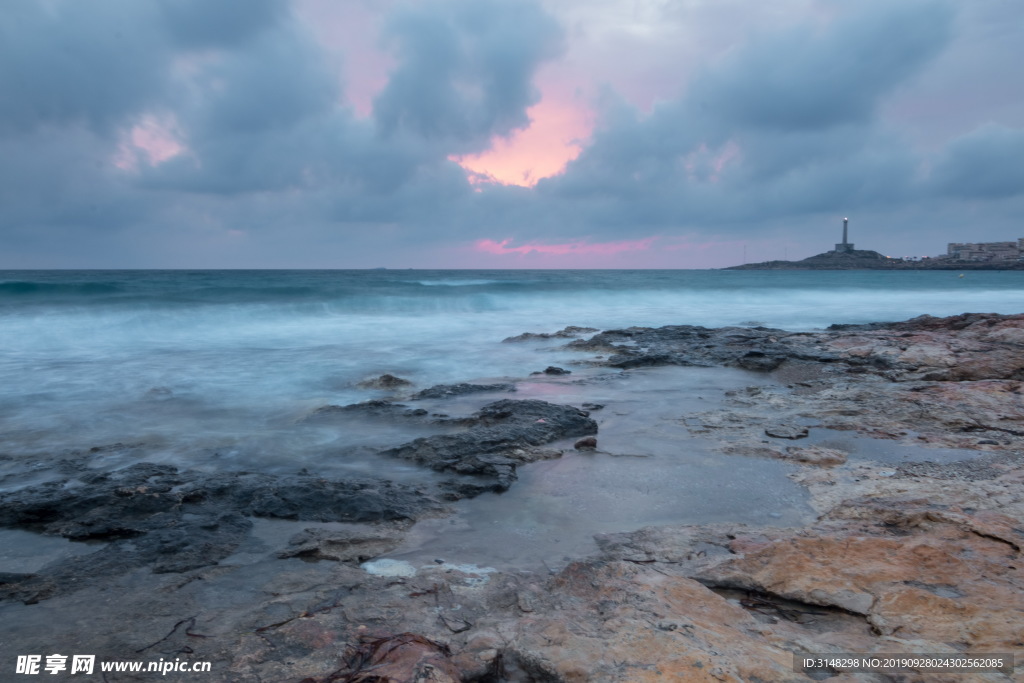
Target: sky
<point>504,133</point>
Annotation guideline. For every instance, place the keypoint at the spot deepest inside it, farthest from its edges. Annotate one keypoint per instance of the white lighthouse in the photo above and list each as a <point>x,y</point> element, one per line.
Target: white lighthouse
<point>844,247</point>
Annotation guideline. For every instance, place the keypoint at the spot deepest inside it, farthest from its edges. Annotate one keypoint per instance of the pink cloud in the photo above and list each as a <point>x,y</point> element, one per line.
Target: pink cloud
<point>559,124</point>
<point>573,248</point>
<point>153,140</point>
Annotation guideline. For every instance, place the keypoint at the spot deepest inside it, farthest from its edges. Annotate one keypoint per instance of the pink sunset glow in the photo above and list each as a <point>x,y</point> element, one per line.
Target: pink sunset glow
<point>349,34</point>
<point>658,251</point>
<point>567,248</point>
<point>559,125</point>
<point>539,151</point>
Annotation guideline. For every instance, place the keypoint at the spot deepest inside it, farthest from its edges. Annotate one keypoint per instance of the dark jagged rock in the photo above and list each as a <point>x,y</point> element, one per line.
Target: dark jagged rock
<point>628,361</point>
<point>385,381</point>
<point>932,323</point>
<point>971,346</point>
<point>114,447</point>
<point>554,371</point>
<point>466,487</point>
<point>759,360</point>
<point>450,390</point>
<point>567,333</point>
<point>311,498</point>
<point>376,408</point>
<point>757,348</point>
<point>140,498</point>
<point>786,431</point>
<point>171,545</point>
<point>172,521</point>
<point>499,436</point>
<point>966,347</point>
<point>14,577</point>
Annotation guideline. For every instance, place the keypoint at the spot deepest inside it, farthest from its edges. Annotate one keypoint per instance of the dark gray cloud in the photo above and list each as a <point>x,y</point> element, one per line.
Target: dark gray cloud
<point>73,63</point>
<point>806,79</point>
<point>260,117</point>
<point>199,24</point>
<point>50,177</point>
<point>465,71</point>
<point>988,163</point>
<point>276,82</point>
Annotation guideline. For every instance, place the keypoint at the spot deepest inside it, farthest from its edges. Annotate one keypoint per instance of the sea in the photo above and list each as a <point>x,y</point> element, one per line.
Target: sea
<point>217,369</point>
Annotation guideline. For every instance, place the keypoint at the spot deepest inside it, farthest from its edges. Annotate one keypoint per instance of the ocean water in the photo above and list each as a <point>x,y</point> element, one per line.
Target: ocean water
<point>217,370</point>
<point>208,359</point>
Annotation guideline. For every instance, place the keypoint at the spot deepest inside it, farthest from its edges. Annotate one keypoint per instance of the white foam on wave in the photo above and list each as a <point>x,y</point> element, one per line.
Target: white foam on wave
<point>71,372</point>
<point>456,283</point>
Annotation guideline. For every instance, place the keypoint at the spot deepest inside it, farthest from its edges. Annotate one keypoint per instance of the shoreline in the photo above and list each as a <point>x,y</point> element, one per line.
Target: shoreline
<point>908,557</point>
<point>892,264</point>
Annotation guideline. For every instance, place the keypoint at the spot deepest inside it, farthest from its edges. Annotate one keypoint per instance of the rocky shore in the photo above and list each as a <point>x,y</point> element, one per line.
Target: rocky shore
<point>903,556</point>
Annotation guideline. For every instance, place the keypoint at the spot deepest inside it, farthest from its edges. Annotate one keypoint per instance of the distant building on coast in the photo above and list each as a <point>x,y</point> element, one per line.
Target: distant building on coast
<point>980,252</point>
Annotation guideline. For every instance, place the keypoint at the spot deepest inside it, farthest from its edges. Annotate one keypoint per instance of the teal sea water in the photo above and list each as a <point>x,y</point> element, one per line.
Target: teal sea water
<point>216,370</point>
<point>210,359</point>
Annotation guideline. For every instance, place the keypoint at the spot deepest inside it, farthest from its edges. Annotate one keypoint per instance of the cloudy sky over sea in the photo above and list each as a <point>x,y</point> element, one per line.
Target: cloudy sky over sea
<point>503,133</point>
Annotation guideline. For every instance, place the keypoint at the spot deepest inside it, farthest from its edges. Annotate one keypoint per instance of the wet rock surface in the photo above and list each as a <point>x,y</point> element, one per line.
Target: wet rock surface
<point>397,657</point>
<point>497,438</point>
<point>377,408</point>
<point>341,545</point>
<point>786,431</point>
<point>158,517</point>
<point>913,461</point>
<point>569,332</point>
<point>958,348</point>
<point>552,370</point>
<point>451,390</point>
<point>756,348</point>
<point>385,381</point>
<point>167,520</point>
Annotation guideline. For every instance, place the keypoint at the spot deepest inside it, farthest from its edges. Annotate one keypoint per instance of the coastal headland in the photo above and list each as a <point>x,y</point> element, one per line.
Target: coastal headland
<point>901,555</point>
<point>959,256</point>
<point>866,259</point>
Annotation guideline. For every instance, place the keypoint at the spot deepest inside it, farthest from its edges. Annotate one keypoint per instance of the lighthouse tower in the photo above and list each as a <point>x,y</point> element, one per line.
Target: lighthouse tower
<point>844,247</point>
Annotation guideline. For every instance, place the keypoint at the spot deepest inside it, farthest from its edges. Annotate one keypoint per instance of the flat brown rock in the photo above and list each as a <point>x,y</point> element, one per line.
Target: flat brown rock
<point>816,455</point>
<point>914,570</point>
<point>622,622</point>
